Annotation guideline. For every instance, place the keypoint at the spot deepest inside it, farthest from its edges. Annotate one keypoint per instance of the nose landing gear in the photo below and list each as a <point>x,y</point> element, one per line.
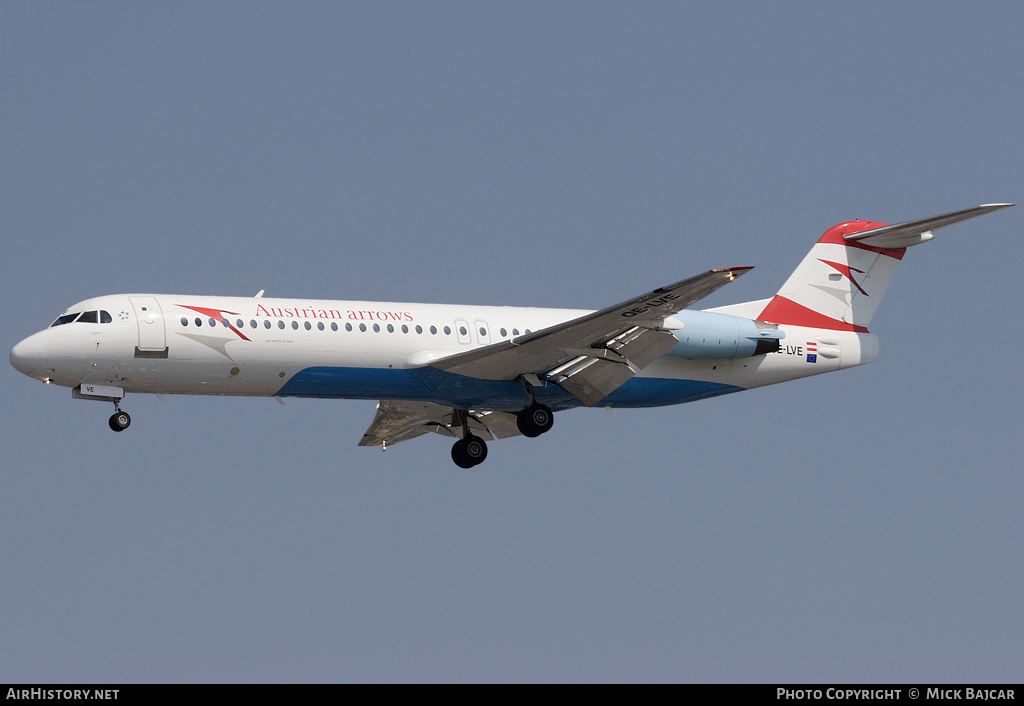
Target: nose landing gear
<point>119,420</point>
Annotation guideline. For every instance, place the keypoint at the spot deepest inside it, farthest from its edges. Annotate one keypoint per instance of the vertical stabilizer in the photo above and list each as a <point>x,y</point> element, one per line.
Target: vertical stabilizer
<point>840,283</point>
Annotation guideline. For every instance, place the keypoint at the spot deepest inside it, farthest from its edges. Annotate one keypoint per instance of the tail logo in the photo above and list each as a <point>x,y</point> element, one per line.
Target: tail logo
<point>847,272</point>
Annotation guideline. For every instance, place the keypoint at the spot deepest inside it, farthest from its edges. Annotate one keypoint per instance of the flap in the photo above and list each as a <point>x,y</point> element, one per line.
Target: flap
<point>400,420</point>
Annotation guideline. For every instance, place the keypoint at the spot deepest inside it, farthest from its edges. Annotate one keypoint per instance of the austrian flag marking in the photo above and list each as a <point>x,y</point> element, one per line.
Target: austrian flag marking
<point>812,351</point>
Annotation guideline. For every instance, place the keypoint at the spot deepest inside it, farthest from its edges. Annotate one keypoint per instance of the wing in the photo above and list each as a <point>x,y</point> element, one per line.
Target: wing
<point>593,355</point>
<point>401,420</point>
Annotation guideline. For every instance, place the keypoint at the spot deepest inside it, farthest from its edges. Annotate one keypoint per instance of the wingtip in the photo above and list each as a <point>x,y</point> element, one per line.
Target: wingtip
<point>733,272</point>
<point>994,206</point>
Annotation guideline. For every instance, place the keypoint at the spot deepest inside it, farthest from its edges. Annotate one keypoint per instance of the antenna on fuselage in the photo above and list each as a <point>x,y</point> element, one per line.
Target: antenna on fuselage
<point>260,293</point>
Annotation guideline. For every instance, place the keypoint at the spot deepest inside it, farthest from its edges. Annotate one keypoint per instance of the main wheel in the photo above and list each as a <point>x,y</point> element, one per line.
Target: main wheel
<point>469,452</point>
<point>535,420</point>
<point>119,421</point>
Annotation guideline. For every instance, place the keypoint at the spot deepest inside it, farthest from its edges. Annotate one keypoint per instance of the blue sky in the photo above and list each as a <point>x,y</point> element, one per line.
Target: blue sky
<point>862,526</point>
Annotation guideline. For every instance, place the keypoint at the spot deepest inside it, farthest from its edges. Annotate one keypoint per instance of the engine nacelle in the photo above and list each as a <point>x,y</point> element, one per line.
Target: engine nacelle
<point>706,335</point>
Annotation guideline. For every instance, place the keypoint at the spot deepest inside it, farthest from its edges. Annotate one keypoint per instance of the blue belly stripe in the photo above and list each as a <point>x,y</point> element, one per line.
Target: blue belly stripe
<point>430,385</point>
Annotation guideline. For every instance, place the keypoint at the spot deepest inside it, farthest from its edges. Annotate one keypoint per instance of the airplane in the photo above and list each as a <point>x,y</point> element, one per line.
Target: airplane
<point>478,373</point>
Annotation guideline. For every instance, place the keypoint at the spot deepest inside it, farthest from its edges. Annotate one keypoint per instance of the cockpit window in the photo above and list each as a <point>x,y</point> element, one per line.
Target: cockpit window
<point>89,317</point>
<point>65,319</point>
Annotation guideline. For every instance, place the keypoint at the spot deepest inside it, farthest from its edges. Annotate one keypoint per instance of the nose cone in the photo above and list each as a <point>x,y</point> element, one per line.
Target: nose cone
<point>30,357</point>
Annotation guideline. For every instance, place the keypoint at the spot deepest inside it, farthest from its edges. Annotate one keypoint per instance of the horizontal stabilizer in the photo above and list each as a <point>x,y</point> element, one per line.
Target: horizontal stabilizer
<point>903,235</point>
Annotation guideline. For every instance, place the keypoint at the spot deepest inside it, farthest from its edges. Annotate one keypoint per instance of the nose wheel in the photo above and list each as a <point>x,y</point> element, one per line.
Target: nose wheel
<point>119,420</point>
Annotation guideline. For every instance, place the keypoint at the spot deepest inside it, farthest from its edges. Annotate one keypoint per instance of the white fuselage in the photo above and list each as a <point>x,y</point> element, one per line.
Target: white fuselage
<point>371,350</point>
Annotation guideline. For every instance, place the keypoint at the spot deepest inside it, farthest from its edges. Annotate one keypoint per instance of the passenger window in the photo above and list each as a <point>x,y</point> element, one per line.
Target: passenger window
<point>320,325</point>
<point>239,324</point>
<point>405,329</point>
<point>391,328</point>
<point>515,332</point>
<point>376,328</point>
<point>212,322</point>
<point>308,326</point>
<point>462,330</point>
<point>503,333</point>
<point>184,321</point>
<point>447,330</point>
<point>433,330</point>
<point>334,325</point>
<point>280,324</point>
<point>266,324</point>
<point>362,327</point>
<point>252,323</point>
<point>295,325</point>
<point>199,322</point>
<point>348,327</point>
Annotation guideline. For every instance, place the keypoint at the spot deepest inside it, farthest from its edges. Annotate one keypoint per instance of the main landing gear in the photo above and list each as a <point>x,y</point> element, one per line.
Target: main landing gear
<point>535,420</point>
<point>471,450</point>
<point>119,420</point>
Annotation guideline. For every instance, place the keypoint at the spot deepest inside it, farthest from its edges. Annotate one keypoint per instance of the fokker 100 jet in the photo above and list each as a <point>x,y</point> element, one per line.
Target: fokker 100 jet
<point>476,373</point>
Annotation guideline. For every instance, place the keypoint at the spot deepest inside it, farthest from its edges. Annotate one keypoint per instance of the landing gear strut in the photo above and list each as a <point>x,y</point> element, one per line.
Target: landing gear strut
<point>536,418</point>
<point>119,421</point>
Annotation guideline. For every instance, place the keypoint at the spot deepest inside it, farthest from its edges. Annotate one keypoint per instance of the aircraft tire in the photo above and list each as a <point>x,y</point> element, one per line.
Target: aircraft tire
<point>119,421</point>
<point>469,452</point>
<point>535,420</point>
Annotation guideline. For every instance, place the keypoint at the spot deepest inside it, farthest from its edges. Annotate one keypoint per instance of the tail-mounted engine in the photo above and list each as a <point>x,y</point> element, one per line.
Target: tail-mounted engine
<point>706,335</point>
